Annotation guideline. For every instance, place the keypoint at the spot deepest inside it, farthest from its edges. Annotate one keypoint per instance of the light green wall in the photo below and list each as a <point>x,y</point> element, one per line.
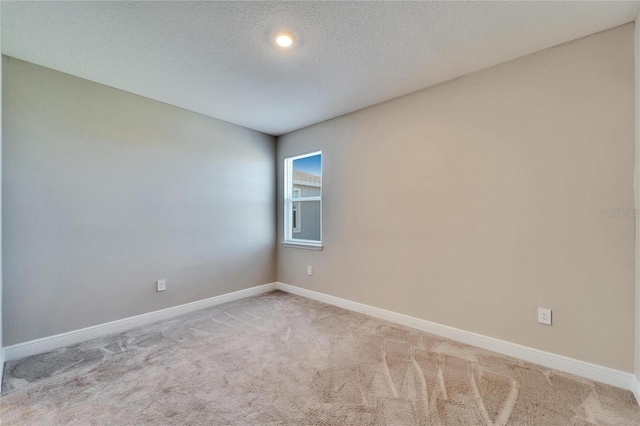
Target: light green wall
<point>105,192</point>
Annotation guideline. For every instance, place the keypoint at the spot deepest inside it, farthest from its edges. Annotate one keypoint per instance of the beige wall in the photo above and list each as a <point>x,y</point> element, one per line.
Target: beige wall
<point>474,202</point>
<point>105,192</point>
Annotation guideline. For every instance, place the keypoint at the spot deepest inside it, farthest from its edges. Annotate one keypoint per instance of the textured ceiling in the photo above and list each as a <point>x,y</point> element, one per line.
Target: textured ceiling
<point>216,58</point>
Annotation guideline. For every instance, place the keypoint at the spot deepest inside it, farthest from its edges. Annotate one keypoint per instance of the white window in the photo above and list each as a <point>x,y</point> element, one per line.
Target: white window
<point>303,199</point>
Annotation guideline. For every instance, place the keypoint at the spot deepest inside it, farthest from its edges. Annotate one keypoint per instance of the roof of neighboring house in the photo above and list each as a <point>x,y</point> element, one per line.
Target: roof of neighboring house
<point>306,177</point>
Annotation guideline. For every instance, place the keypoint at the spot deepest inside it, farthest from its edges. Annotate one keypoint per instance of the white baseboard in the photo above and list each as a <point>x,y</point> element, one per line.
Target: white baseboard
<point>590,371</point>
<point>636,388</point>
<point>45,344</point>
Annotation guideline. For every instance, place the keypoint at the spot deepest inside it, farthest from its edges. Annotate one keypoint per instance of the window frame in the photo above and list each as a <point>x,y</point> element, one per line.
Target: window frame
<point>289,240</point>
<point>297,218</point>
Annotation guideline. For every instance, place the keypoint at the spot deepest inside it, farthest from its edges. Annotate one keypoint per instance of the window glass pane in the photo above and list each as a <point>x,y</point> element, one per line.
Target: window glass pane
<point>307,176</point>
<point>306,220</point>
<point>304,180</point>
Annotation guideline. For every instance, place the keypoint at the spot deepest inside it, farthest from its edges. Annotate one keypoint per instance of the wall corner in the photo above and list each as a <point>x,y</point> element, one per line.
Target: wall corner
<point>636,187</point>
<point>1,341</point>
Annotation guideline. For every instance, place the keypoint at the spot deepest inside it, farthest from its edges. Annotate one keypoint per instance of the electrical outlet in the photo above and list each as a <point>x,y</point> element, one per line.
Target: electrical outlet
<point>161,285</point>
<point>544,316</point>
<point>309,270</point>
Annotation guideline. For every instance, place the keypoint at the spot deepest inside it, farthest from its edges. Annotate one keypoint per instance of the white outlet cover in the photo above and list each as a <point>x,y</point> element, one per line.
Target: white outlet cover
<point>544,316</point>
<point>309,270</point>
<point>161,285</point>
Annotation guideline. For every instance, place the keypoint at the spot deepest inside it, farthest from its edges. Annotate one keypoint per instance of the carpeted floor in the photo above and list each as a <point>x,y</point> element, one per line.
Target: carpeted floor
<point>279,359</point>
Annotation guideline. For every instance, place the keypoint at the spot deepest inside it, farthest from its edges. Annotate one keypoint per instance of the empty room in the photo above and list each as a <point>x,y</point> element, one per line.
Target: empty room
<point>320,213</point>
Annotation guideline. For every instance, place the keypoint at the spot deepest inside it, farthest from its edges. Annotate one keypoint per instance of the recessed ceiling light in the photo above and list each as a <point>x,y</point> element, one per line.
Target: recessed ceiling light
<point>284,39</point>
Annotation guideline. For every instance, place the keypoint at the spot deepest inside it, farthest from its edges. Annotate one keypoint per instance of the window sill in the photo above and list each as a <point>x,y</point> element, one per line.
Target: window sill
<point>300,245</point>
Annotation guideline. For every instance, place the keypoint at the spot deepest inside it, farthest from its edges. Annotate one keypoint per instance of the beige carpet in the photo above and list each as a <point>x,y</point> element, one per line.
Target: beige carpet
<point>280,359</point>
